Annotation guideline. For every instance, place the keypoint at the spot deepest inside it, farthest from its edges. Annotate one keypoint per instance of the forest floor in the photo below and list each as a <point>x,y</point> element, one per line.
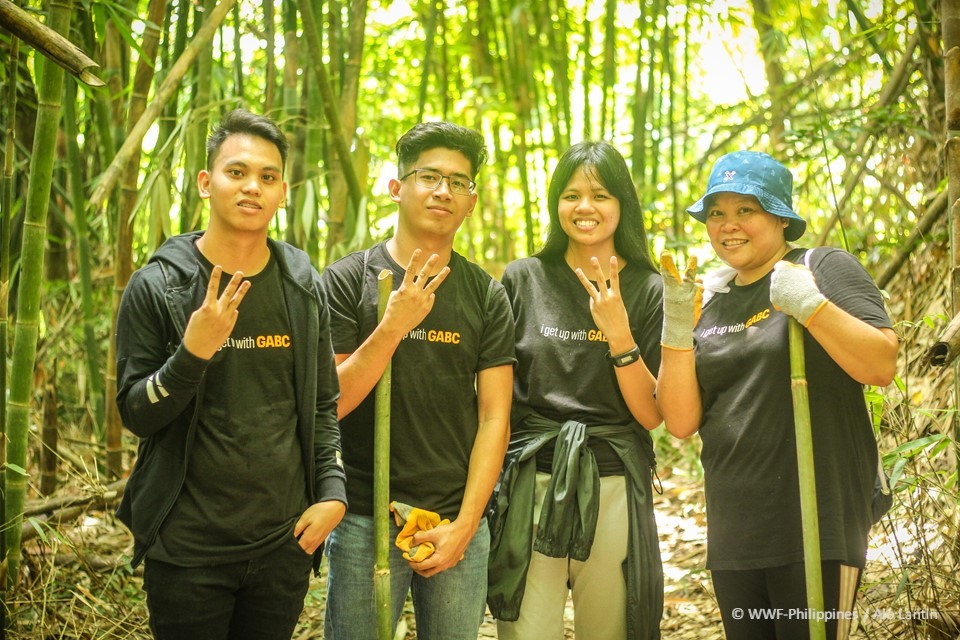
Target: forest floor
<point>79,584</point>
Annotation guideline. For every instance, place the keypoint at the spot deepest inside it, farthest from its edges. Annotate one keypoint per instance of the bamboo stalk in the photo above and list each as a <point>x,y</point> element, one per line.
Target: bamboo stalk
<point>162,95</point>
<point>84,260</point>
<point>808,484</point>
<point>55,46</point>
<point>337,133</point>
<point>27,326</point>
<point>123,248</point>
<point>50,436</point>
<point>6,203</point>
<point>848,592</point>
<point>381,478</point>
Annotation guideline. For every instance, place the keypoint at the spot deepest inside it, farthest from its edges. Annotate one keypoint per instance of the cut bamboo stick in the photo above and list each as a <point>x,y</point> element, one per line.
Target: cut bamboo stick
<point>381,478</point>
<point>808,484</point>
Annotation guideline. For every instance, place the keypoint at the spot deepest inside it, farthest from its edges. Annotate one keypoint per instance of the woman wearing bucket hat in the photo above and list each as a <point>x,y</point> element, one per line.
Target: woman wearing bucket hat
<point>573,511</point>
<point>725,374</point>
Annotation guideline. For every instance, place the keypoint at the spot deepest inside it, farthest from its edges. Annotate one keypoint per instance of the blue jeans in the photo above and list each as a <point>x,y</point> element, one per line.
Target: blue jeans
<point>259,599</point>
<point>448,606</point>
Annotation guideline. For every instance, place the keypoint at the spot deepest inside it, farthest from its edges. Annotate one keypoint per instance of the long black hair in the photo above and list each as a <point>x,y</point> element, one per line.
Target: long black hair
<point>605,164</point>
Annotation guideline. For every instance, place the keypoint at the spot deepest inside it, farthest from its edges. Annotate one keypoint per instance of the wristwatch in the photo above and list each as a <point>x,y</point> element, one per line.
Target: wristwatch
<point>625,358</point>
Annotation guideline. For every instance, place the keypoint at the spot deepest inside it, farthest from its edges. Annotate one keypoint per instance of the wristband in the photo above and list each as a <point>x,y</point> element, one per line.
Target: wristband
<point>625,358</point>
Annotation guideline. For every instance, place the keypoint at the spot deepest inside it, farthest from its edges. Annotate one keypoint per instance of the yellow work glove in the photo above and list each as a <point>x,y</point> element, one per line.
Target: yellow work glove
<point>413,520</point>
<point>794,291</point>
<point>682,303</point>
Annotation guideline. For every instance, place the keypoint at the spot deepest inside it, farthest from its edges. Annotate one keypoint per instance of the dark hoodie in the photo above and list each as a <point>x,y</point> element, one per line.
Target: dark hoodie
<point>160,384</point>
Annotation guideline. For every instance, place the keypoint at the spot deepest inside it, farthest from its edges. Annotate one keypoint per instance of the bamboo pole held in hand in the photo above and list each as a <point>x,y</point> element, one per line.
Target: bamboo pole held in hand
<point>381,479</point>
<point>808,484</point>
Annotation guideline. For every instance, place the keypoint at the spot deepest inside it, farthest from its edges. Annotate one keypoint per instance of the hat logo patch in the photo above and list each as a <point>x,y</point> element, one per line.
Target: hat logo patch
<point>728,175</point>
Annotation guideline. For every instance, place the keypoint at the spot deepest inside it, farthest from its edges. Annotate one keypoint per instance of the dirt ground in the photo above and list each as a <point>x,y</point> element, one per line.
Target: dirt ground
<point>690,609</point>
<point>80,584</point>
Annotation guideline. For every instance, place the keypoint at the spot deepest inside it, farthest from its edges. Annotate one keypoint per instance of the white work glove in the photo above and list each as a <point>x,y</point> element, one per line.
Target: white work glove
<point>794,291</point>
<point>682,303</point>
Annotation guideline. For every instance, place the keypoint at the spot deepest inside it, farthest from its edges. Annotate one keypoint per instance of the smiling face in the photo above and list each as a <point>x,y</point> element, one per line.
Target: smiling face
<point>245,185</point>
<point>745,236</point>
<point>433,214</point>
<point>588,213</point>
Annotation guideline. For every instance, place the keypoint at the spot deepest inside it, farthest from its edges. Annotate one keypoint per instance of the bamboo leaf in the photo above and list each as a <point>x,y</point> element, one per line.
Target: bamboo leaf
<point>16,469</point>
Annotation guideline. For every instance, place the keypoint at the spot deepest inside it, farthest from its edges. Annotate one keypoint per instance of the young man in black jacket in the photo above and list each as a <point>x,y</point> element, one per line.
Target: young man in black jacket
<point>233,390</point>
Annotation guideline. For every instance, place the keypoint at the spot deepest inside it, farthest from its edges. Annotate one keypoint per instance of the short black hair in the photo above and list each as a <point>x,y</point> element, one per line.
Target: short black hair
<point>604,163</point>
<point>241,121</point>
<point>433,135</point>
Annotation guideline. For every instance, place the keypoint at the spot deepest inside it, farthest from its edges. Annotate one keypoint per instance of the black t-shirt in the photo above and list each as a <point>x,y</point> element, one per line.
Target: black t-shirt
<point>245,484</point>
<point>749,445</point>
<point>433,407</point>
<point>562,368</point>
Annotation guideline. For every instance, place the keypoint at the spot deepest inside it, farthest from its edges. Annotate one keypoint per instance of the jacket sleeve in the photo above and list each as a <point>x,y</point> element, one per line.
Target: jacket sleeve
<point>330,477</point>
<point>157,378</point>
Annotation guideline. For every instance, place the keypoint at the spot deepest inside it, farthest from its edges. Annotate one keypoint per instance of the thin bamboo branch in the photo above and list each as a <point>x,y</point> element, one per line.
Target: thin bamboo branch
<point>48,42</point>
<point>123,255</point>
<point>103,497</point>
<point>170,84</point>
<point>889,94</point>
<point>926,222</point>
<point>381,478</point>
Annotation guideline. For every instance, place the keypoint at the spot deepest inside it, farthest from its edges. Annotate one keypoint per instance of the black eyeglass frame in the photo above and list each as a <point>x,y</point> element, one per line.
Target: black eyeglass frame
<point>470,192</point>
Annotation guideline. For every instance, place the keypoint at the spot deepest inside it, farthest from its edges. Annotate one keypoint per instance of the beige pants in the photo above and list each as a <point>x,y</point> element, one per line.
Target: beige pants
<point>598,585</point>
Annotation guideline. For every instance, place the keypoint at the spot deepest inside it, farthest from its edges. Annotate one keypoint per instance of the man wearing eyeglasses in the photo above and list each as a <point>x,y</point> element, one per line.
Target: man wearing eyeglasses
<point>448,330</point>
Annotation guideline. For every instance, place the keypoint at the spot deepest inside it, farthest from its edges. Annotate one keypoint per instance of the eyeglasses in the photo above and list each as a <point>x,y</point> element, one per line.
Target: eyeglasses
<point>429,179</point>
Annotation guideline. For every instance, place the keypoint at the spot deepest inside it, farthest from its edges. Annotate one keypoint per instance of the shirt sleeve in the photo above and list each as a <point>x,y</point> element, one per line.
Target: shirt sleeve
<point>330,479</point>
<point>343,287</point>
<point>498,339</point>
<point>157,378</point>
<point>844,281</point>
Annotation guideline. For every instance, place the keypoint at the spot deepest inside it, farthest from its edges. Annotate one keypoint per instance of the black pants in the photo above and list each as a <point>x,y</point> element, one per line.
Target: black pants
<point>259,599</point>
<point>763,604</point>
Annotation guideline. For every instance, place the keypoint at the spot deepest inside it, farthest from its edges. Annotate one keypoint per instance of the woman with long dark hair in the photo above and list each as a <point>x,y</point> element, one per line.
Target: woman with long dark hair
<point>574,510</point>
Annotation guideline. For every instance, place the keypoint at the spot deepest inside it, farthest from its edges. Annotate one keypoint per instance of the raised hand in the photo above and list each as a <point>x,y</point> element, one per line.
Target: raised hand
<point>211,324</point>
<point>794,291</point>
<point>682,303</point>
<point>606,306</point>
<point>414,299</point>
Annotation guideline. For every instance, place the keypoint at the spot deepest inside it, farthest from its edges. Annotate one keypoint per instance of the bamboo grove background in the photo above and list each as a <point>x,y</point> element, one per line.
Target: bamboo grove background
<point>850,94</point>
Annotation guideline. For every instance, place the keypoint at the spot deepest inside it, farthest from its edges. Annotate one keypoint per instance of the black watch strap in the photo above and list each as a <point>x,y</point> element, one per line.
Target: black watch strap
<point>625,358</point>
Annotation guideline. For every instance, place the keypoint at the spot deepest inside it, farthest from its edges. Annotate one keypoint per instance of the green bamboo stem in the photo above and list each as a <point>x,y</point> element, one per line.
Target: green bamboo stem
<point>381,478</point>
<point>6,203</point>
<point>808,483</point>
<point>26,330</point>
<point>84,260</point>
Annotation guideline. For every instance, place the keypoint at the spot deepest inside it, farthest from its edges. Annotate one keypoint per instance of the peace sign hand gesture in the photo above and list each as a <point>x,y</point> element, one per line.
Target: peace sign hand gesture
<point>414,299</point>
<point>211,324</point>
<point>606,306</point>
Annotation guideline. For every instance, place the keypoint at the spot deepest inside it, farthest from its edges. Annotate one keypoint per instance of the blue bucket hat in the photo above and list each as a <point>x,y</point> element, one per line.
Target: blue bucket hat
<point>755,174</point>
